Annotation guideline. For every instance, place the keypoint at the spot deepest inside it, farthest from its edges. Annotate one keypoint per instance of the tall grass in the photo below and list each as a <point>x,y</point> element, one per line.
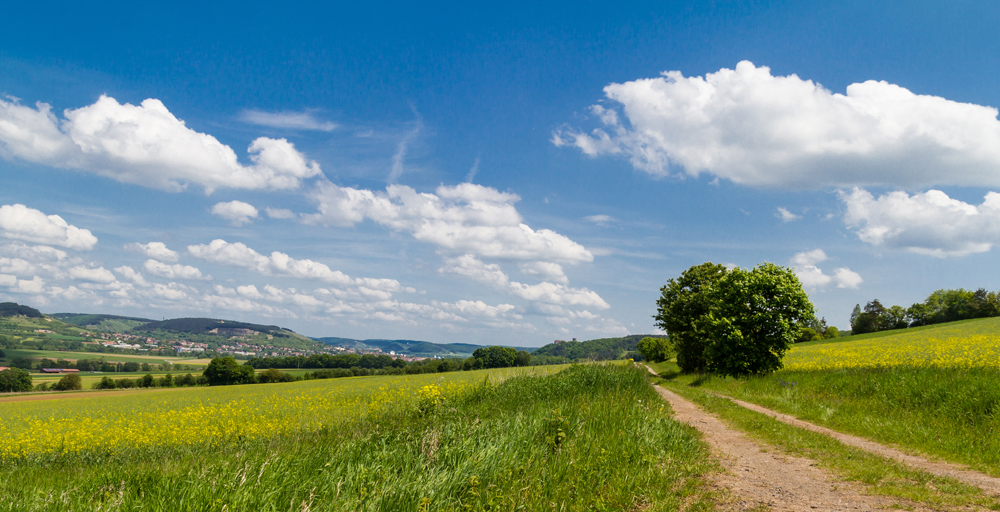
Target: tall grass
<point>592,437</point>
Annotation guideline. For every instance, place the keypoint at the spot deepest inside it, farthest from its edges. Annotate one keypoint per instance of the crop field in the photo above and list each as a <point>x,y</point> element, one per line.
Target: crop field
<point>587,437</point>
<point>969,344</point>
<point>73,356</point>
<point>131,421</point>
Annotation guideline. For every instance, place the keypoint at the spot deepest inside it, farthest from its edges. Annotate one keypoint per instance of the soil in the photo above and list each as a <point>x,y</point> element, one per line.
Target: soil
<point>759,479</point>
<point>989,484</point>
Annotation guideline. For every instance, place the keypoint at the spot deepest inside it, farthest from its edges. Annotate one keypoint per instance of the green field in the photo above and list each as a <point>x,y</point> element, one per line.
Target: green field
<point>932,390</point>
<point>588,437</point>
<point>73,356</point>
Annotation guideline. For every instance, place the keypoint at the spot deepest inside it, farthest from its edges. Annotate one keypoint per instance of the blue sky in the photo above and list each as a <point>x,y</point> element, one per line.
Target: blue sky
<point>504,174</point>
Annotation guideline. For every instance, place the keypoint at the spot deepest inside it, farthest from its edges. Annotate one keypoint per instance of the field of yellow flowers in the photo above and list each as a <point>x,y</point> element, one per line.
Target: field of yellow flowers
<point>216,416</point>
<point>586,437</point>
<point>970,344</point>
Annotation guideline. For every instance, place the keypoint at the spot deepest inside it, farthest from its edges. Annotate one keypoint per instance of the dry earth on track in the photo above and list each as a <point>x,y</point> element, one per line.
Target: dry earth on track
<point>761,479</point>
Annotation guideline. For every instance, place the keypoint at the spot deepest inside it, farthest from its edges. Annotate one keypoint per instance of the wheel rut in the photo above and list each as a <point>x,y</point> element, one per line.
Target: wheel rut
<point>761,478</point>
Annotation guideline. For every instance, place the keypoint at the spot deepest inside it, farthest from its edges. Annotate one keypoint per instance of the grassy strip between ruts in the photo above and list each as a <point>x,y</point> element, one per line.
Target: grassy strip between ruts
<point>593,437</point>
<point>879,475</point>
<point>951,413</point>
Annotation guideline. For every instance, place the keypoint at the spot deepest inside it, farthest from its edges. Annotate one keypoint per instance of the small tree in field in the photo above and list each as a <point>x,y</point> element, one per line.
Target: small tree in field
<point>15,380</point>
<point>68,383</point>
<point>754,318</point>
<point>683,304</point>
<point>655,349</point>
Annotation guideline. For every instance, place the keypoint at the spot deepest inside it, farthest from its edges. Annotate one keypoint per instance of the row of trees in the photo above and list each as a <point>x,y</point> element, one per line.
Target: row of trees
<point>939,307</point>
<point>733,322</point>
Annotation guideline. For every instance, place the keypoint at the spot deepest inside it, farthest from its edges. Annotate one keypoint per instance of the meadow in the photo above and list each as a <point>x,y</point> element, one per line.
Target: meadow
<point>931,390</point>
<point>593,437</point>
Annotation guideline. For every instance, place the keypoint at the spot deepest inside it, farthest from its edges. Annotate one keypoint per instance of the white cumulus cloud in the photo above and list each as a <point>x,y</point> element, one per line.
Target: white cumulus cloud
<point>155,250</point>
<point>175,271</point>
<point>807,270</point>
<point>466,218</point>
<point>22,223</point>
<point>785,215</point>
<point>145,145</point>
<point>751,127</point>
<point>95,275</point>
<point>237,213</point>
<point>279,213</point>
<point>929,223</point>
<point>546,292</point>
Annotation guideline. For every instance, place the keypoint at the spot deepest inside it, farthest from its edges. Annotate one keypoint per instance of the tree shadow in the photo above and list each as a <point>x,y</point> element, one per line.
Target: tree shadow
<point>701,379</point>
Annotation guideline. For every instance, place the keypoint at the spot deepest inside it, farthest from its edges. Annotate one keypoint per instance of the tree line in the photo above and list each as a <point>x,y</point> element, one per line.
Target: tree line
<point>939,307</point>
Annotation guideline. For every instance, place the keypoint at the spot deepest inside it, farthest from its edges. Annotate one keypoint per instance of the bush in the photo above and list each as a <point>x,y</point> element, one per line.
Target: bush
<point>105,383</point>
<point>146,381</point>
<point>15,380</point>
<point>125,383</point>
<point>223,371</point>
<point>655,349</point>
<point>185,380</point>
<point>45,386</point>
<point>167,381</point>
<point>69,382</point>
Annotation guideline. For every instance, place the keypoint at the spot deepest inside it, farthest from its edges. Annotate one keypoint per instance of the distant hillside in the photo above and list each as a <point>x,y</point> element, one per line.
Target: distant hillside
<point>205,325</point>
<point>14,309</point>
<point>599,349</point>
<point>99,322</point>
<point>408,347</point>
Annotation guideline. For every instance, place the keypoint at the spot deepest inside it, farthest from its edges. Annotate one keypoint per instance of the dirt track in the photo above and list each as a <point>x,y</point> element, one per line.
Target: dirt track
<point>756,476</point>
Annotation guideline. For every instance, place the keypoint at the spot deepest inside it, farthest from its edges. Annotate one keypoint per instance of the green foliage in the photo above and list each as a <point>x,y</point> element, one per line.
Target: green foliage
<point>14,309</point>
<point>655,349</point>
<point>753,319</point>
<point>21,362</point>
<point>15,380</point>
<point>602,349</point>
<point>105,383</point>
<point>494,357</point>
<point>682,306</point>
<point>69,382</point>
<point>223,371</point>
<point>831,332</point>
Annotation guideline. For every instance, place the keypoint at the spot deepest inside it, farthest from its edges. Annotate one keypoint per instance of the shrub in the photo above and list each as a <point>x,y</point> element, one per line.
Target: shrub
<point>69,382</point>
<point>125,383</point>
<point>105,383</point>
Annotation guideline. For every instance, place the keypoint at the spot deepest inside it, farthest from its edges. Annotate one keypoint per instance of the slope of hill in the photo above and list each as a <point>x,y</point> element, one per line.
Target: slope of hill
<point>14,309</point>
<point>214,331</point>
<point>103,323</point>
<point>600,349</point>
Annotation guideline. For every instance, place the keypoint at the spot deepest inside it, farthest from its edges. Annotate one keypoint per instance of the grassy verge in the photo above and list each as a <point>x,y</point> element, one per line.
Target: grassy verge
<point>880,475</point>
<point>577,440</point>
<point>949,413</point>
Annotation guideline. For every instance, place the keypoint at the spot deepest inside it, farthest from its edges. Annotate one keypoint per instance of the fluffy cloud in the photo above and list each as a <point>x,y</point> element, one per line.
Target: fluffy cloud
<point>805,266</point>
<point>175,271</point>
<point>754,128</point>
<point>545,292</point>
<point>132,275</point>
<point>925,223</point>
<point>145,145</point>
<point>289,120</point>
<point>601,220</point>
<point>22,223</point>
<point>465,218</point>
<point>279,213</point>
<point>785,215</point>
<point>155,250</point>
<point>545,270</point>
<point>237,213</point>
<point>278,263</point>
<point>94,275</point>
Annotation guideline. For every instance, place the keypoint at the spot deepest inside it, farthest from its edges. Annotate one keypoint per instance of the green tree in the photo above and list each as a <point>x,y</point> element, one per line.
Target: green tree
<point>495,357</point>
<point>69,382</point>
<point>21,362</point>
<point>15,380</point>
<point>655,349</point>
<point>105,383</point>
<point>681,310</point>
<point>223,371</point>
<point>130,366</point>
<point>146,381</point>
<point>831,332</point>
<point>855,313</point>
<point>523,358</point>
<point>754,317</point>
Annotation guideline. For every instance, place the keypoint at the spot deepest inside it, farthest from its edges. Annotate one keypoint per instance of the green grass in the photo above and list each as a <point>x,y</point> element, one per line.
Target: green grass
<point>953,414</point>
<point>577,440</point>
<point>880,475</point>
<point>73,356</point>
<point>988,324</point>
